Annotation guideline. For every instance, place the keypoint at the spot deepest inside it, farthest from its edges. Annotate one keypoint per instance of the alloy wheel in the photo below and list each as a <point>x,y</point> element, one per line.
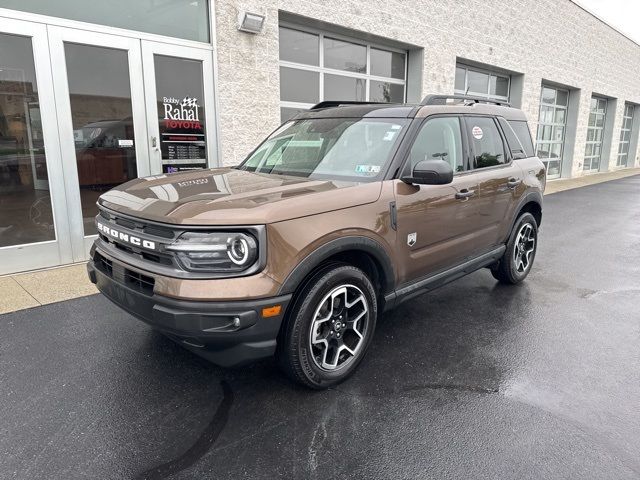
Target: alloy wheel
<point>339,327</point>
<point>524,247</point>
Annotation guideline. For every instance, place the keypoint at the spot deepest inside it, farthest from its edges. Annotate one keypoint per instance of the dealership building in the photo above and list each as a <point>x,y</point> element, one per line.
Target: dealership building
<point>93,94</point>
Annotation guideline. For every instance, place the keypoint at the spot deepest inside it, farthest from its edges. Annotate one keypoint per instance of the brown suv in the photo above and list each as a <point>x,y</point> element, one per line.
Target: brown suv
<point>342,213</point>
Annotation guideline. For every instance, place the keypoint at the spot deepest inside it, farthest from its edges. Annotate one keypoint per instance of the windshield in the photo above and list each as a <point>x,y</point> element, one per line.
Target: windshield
<point>336,148</point>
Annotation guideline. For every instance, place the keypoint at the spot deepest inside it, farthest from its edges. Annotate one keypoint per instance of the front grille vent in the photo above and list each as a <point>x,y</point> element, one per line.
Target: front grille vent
<point>121,274</point>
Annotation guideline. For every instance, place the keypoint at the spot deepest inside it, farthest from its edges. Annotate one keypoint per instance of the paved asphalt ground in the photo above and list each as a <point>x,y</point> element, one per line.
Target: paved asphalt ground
<point>474,380</point>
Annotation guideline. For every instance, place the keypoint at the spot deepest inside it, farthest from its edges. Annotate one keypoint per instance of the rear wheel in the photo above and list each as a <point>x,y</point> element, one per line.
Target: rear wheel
<point>329,327</point>
<point>518,258</point>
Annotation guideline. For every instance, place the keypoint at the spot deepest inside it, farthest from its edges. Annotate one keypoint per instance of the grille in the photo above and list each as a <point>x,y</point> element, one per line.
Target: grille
<point>121,274</point>
<point>104,264</point>
<point>158,233</point>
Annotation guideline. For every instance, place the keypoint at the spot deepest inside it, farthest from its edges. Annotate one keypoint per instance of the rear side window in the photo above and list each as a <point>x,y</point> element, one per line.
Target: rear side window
<point>521,130</point>
<point>486,143</point>
<point>439,138</point>
<point>516,148</point>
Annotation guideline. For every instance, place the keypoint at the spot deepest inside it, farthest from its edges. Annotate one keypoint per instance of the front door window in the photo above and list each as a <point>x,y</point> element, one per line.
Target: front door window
<point>26,214</point>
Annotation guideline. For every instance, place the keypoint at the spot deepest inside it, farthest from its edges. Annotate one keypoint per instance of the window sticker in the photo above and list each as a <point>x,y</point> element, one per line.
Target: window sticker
<point>477,133</point>
<point>396,127</point>
<point>370,169</point>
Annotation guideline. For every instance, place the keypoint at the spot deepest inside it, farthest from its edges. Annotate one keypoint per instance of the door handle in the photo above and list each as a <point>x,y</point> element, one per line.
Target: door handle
<point>513,182</point>
<point>154,143</point>
<point>465,193</point>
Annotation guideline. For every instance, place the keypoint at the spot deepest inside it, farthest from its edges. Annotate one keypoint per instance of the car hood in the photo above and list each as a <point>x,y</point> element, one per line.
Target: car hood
<point>227,196</point>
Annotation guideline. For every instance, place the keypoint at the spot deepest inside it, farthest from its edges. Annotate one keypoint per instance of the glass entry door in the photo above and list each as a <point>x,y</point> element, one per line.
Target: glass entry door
<point>33,228</point>
<point>80,113</point>
<point>179,102</point>
<point>100,96</point>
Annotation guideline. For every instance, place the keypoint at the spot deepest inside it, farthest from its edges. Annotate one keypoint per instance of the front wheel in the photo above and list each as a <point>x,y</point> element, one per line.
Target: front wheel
<point>329,327</point>
<point>517,259</point>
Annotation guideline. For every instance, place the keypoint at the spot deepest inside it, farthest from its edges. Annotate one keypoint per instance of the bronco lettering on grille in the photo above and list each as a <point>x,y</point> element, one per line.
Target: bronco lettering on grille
<point>125,237</point>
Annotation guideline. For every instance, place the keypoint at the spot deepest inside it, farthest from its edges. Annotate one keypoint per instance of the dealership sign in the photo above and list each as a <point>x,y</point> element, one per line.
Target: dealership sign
<point>181,113</point>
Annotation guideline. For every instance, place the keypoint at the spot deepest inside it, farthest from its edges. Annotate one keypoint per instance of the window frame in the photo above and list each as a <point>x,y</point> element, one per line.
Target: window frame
<point>505,145</point>
<point>322,70</point>
<point>488,72</point>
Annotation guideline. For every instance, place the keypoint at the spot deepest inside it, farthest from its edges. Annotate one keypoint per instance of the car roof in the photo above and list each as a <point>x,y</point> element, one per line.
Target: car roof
<point>387,110</point>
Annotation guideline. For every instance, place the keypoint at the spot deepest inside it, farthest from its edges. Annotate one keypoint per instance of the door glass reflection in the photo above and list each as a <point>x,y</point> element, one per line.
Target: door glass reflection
<point>25,204</point>
<point>101,113</point>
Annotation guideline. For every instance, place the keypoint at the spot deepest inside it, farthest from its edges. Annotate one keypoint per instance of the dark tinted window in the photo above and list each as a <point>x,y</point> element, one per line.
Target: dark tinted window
<point>439,138</point>
<point>517,150</point>
<point>521,129</point>
<point>486,142</point>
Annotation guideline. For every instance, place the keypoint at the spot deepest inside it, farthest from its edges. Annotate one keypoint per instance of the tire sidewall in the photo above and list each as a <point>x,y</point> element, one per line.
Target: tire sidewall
<point>304,316</point>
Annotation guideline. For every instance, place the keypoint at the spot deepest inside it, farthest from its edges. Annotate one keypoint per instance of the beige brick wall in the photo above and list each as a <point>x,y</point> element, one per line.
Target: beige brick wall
<point>554,40</point>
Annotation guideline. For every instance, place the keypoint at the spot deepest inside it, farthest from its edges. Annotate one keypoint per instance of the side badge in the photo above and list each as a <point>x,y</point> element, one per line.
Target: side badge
<point>411,239</point>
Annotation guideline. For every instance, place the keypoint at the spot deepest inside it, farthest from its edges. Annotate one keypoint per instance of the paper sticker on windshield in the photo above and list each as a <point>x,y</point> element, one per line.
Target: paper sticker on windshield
<point>371,169</point>
<point>477,133</point>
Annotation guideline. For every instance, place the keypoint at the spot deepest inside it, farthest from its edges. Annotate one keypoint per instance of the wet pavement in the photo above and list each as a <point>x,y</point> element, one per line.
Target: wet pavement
<point>474,380</point>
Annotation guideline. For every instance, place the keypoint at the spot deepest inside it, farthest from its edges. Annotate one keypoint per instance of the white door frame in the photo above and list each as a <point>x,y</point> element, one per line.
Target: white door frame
<point>53,252</point>
<point>58,36</point>
<point>205,55</point>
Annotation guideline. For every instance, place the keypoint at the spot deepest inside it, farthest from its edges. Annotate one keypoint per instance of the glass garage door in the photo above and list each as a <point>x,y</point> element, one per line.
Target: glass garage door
<point>595,133</point>
<point>625,136</point>
<point>552,123</point>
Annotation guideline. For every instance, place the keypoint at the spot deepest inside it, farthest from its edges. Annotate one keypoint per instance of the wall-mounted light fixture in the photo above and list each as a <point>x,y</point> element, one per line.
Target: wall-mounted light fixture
<point>250,22</point>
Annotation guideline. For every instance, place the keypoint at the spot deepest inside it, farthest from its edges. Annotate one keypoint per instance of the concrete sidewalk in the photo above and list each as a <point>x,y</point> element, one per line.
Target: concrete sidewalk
<point>560,185</point>
<point>32,289</point>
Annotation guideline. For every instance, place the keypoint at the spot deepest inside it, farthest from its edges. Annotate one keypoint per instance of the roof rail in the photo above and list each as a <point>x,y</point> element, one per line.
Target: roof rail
<point>442,100</point>
<point>337,103</point>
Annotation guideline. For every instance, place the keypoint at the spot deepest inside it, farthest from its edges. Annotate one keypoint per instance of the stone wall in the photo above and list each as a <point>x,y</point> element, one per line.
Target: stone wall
<point>548,40</point>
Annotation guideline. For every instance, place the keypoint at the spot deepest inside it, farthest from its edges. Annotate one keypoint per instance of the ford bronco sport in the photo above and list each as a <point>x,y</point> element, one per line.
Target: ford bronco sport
<point>340,214</point>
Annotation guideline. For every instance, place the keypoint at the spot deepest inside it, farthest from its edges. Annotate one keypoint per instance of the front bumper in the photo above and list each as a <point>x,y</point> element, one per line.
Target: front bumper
<point>226,333</point>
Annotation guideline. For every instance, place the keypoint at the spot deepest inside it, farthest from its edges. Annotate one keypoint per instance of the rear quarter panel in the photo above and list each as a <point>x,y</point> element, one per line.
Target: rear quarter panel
<point>534,179</point>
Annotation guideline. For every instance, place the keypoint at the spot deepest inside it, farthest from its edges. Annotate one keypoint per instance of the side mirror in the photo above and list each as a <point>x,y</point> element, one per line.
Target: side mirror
<point>431,172</point>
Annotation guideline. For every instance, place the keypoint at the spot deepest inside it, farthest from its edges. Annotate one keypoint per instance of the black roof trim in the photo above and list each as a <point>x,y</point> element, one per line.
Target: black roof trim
<point>442,100</point>
<point>338,103</point>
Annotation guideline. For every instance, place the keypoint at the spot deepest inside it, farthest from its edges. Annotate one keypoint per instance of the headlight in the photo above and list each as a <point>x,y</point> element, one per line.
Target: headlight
<point>215,251</point>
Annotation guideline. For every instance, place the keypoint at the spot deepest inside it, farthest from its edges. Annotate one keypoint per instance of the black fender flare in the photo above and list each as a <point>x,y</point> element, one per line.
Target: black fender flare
<point>535,197</point>
<point>360,243</point>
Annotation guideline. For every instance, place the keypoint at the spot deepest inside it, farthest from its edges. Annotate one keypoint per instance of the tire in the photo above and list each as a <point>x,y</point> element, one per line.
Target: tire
<point>341,303</point>
<point>516,262</point>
